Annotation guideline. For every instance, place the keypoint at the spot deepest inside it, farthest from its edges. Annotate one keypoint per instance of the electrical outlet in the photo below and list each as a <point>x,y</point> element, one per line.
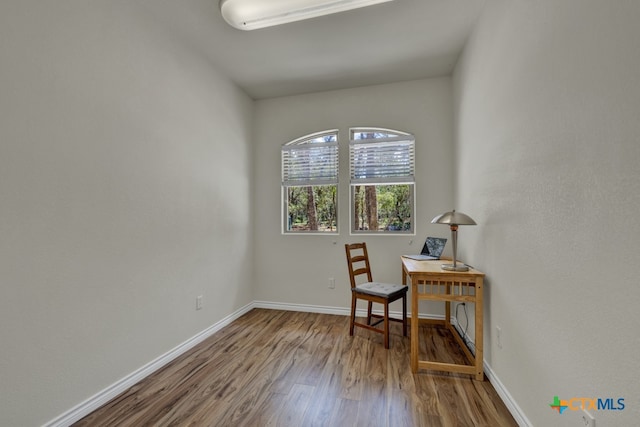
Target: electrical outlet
<point>499,336</point>
<point>587,419</point>
<point>332,283</point>
<point>199,302</point>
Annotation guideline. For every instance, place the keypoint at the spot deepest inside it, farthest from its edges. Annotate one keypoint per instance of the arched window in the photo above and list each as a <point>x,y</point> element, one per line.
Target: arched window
<point>310,183</point>
<point>382,166</point>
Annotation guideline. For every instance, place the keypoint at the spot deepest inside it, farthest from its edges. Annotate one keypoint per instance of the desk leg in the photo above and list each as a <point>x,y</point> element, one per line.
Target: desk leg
<point>447,313</point>
<point>479,329</point>
<point>415,343</point>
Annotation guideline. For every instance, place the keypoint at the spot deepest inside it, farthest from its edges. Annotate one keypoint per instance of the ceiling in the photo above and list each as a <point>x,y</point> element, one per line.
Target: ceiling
<point>389,42</point>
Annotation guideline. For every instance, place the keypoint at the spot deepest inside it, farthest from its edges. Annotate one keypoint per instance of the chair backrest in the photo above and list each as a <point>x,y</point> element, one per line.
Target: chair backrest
<point>358,262</point>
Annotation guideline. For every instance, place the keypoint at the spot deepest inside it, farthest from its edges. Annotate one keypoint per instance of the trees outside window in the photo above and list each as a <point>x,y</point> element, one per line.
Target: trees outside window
<point>382,207</point>
<point>312,208</point>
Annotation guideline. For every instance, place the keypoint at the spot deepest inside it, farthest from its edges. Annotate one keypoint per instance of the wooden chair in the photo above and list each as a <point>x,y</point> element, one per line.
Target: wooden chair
<point>370,291</point>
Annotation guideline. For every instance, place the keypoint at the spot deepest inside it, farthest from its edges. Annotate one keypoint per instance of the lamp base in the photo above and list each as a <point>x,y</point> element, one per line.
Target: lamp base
<point>457,267</point>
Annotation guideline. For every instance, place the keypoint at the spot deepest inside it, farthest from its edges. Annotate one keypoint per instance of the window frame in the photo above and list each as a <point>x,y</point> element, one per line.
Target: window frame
<point>325,176</point>
<point>405,175</point>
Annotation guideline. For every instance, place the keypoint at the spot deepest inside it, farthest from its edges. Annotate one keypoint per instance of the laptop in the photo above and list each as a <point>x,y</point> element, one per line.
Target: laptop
<point>432,249</point>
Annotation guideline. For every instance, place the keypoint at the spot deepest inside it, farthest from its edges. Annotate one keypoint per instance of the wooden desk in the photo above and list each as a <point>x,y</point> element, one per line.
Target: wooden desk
<point>430,282</point>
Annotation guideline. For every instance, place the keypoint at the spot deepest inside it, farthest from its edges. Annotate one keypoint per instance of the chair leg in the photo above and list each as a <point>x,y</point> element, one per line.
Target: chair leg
<point>369,310</point>
<point>404,315</point>
<point>353,313</point>
<point>386,325</point>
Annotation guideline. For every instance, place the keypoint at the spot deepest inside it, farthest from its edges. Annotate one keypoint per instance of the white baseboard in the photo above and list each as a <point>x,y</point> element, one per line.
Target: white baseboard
<point>506,397</point>
<point>305,308</point>
<point>96,401</point>
<point>504,394</point>
<point>340,311</point>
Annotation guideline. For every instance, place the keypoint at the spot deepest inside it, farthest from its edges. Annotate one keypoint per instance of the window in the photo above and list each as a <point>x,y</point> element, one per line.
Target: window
<point>382,165</point>
<point>310,183</point>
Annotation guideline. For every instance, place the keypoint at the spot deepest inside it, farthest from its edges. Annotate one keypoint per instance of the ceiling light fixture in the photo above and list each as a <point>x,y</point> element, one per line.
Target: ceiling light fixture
<point>254,14</point>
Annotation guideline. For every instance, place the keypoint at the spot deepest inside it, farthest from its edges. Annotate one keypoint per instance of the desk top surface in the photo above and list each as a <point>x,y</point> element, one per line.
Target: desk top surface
<point>412,266</point>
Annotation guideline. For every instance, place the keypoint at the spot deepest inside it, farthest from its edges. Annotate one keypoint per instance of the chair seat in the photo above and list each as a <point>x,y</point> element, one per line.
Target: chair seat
<point>380,289</point>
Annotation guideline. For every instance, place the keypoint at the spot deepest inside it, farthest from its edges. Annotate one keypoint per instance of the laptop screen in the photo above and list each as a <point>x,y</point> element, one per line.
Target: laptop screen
<point>434,246</point>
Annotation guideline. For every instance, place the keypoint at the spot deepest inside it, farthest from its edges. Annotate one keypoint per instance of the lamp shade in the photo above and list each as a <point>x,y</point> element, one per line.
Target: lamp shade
<point>453,218</point>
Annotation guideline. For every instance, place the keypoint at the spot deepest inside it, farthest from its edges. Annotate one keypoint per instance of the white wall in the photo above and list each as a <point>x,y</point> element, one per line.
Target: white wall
<point>125,192</point>
<point>126,185</point>
<point>295,268</point>
<point>547,102</point>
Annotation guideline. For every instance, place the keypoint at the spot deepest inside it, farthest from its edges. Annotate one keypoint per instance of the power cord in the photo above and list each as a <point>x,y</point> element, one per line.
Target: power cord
<point>466,317</point>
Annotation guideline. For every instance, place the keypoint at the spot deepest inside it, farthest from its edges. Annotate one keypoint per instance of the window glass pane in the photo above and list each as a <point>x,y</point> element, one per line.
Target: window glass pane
<point>371,134</point>
<point>330,137</point>
<point>382,208</point>
<point>311,209</point>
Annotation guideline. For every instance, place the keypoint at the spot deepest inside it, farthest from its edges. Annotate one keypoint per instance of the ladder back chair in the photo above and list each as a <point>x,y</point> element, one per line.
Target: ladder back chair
<point>363,287</point>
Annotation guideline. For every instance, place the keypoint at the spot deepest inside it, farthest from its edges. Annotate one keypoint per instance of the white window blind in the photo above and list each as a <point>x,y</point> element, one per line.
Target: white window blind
<point>311,160</point>
<point>381,158</point>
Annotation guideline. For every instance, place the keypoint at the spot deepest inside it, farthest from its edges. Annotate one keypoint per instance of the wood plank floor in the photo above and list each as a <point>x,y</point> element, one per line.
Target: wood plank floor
<point>282,368</point>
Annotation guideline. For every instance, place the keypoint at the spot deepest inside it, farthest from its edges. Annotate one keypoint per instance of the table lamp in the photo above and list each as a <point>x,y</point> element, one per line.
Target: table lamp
<point>454,219</point>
